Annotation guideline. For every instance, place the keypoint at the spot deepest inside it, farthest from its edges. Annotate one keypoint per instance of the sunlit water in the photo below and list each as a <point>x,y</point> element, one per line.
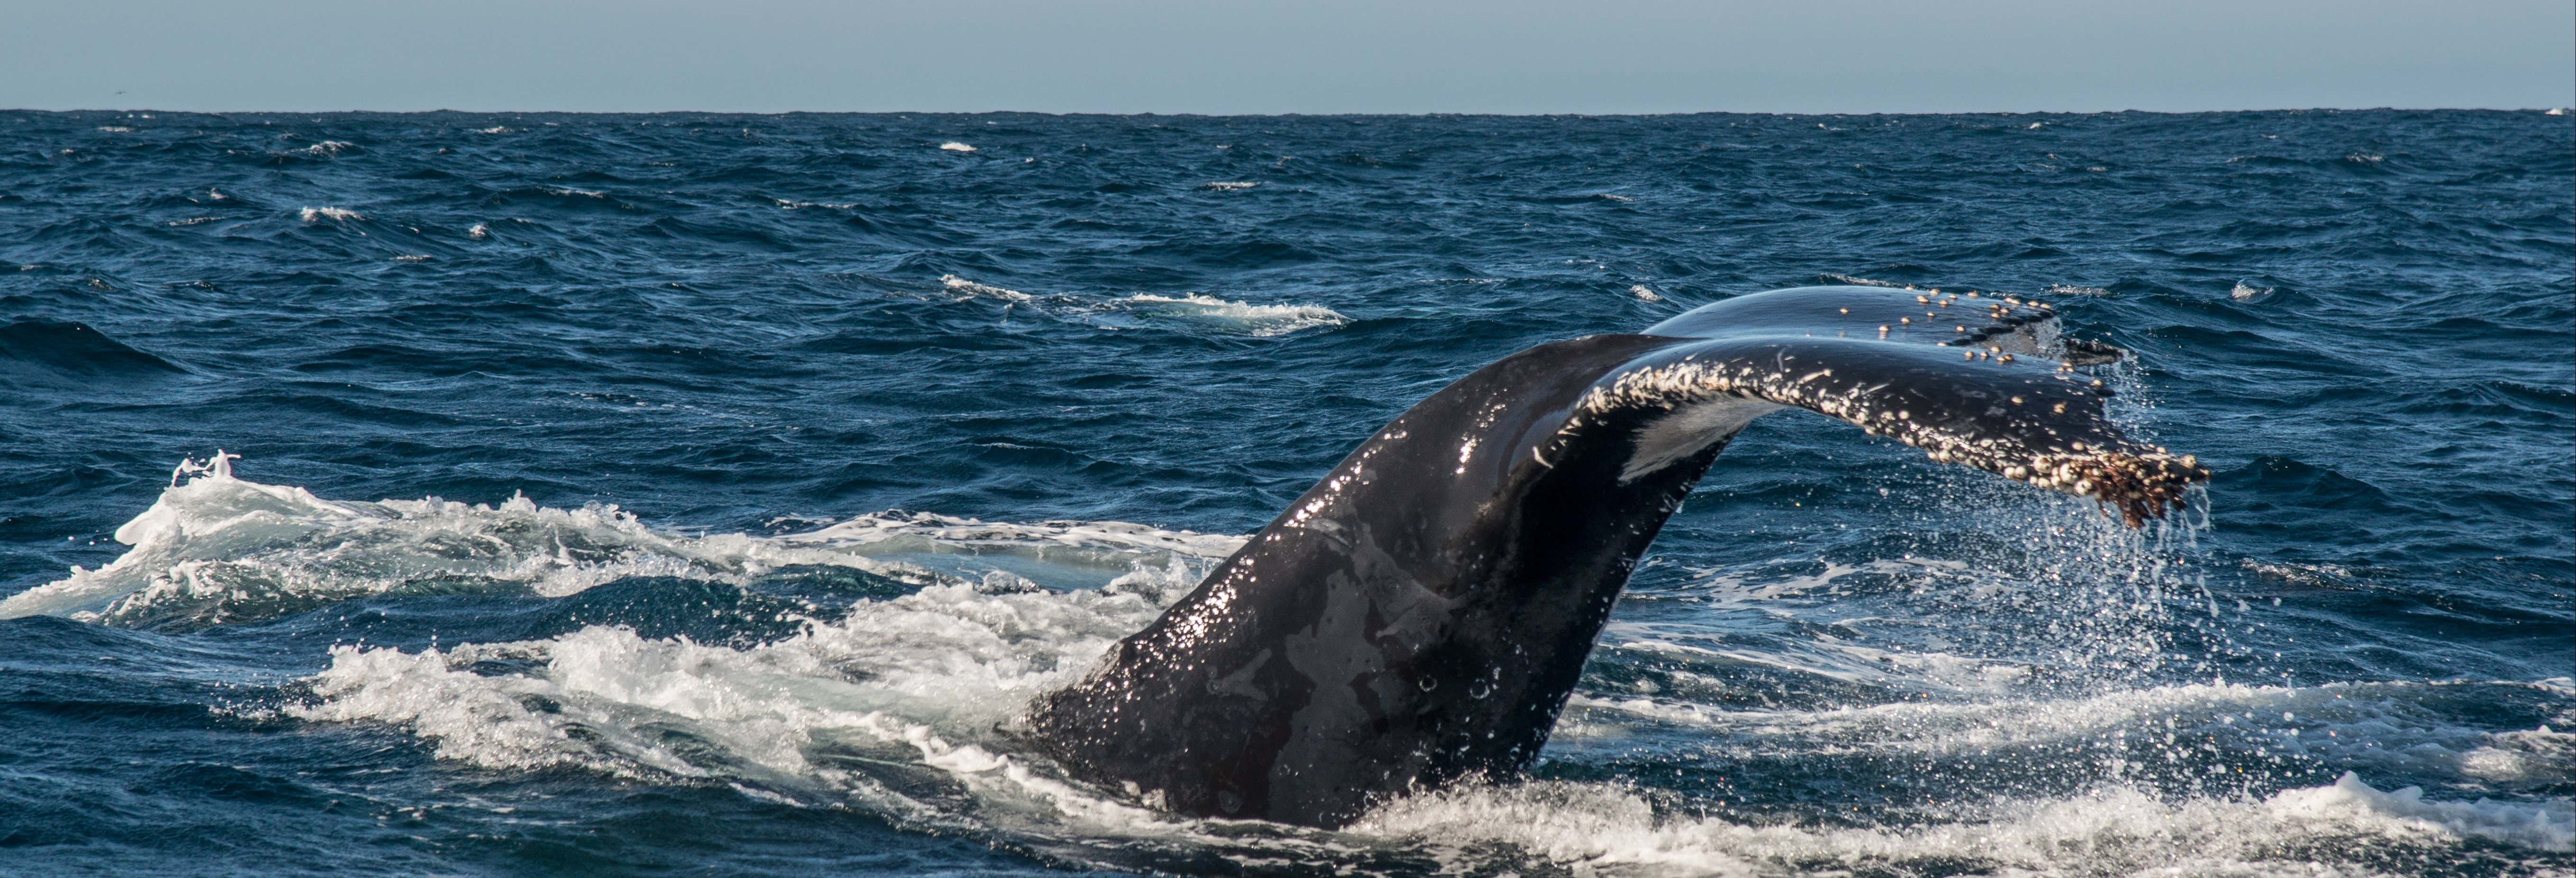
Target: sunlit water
<point>708,494</point>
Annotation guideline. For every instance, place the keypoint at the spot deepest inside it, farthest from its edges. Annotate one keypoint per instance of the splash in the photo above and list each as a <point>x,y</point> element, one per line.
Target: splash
<point>215,549</point>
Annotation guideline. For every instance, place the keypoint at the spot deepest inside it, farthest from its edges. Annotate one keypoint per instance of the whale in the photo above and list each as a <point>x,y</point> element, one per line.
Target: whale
<point>1420,616</point>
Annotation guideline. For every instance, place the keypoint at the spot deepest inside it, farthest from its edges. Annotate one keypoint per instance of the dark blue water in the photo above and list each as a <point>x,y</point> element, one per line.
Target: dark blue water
<point>665,376</point>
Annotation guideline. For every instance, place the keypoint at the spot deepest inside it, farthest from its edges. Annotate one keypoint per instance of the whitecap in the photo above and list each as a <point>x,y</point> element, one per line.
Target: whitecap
<point>334,214</point>
<point>215,548</point>
<point>957,284</point>
<point>1255,320</point>
<point>324,149</point>
<point>954,146</point>
<point>1860,281</point>
<point>2246,292</point>
<point>1643,294</point>
<point>785,204</point>
<point>1228,186</point>
<point>2076,290</point>
<point>1601,827</point>
<point>479,231</point>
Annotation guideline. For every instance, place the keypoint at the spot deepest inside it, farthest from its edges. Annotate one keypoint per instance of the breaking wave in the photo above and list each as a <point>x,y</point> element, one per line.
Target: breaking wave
<point>902,700</point>
<point>1142,309</point>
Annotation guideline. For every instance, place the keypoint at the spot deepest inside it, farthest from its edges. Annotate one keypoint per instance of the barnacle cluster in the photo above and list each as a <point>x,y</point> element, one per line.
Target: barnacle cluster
<point>2019,422</point>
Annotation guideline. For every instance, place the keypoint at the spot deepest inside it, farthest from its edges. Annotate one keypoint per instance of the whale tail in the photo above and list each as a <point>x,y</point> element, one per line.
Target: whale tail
<point>1422,613</point>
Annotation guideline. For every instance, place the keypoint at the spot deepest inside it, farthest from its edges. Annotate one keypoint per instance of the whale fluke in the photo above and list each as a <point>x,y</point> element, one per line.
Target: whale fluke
<point>1421,614</point>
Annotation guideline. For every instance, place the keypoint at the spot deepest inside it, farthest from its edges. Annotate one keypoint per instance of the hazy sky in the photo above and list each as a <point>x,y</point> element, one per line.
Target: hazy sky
<point>1212,56</point>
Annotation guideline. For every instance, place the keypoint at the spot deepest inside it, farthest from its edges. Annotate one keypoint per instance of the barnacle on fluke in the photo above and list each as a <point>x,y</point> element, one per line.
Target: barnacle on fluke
<point>2028,421</point>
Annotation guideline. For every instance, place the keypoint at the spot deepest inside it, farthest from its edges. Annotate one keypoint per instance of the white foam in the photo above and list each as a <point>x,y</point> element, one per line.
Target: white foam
<point>214,548</point>
<point>325,148</point>
<point>1861,281</point>
<point>116,129</point>
<point>1255,320</point>
<point>496,129</point>
<point>334,214</point>
<point>1194,308</point>
<point>1610,829</point>
<point>1229,187</point>
<point>923,530</point>
<point>954,146</point>
<point>2348,724</point>
<point>920,683</point>
<point>968,287</point>
<point>2245,292</point>
<point>479,231</point>
<point>1643,294</point>
<point>2075,290</point>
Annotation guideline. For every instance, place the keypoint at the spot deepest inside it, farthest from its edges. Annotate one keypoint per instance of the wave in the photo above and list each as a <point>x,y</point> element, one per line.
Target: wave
<point>1187,310</point>
<point>323,150</point>
<point>74,350</point>
<point>335,214</point>
<point>217,549</point>
<point>903,703</point>
<point>1255,320</point>
<point>1832,277</point>
<point>957,284</point>
<point>2113,830</point>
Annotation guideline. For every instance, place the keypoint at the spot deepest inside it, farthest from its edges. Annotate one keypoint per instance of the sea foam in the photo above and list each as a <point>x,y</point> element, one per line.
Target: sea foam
<point>905,706</point>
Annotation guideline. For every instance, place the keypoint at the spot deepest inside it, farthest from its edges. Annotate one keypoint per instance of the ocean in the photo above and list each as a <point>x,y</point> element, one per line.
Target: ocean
<point>505,494</point>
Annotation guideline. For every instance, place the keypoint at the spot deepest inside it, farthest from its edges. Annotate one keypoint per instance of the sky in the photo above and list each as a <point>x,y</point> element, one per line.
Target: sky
<point>1322,56</point>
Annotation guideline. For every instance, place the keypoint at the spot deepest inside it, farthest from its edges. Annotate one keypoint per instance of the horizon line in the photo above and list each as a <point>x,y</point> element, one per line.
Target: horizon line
<point>2546,110</point>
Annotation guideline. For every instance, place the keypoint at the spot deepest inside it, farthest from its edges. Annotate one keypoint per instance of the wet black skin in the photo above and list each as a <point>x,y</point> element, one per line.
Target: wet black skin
<point>1421,615</point>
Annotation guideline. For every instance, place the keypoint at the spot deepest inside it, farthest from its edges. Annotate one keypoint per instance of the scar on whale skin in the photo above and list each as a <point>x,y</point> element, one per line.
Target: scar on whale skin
<point>1420,615</point>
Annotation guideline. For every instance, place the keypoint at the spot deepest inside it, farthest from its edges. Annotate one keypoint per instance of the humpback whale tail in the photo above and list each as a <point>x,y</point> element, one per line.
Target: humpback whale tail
<point>1421,614</point>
